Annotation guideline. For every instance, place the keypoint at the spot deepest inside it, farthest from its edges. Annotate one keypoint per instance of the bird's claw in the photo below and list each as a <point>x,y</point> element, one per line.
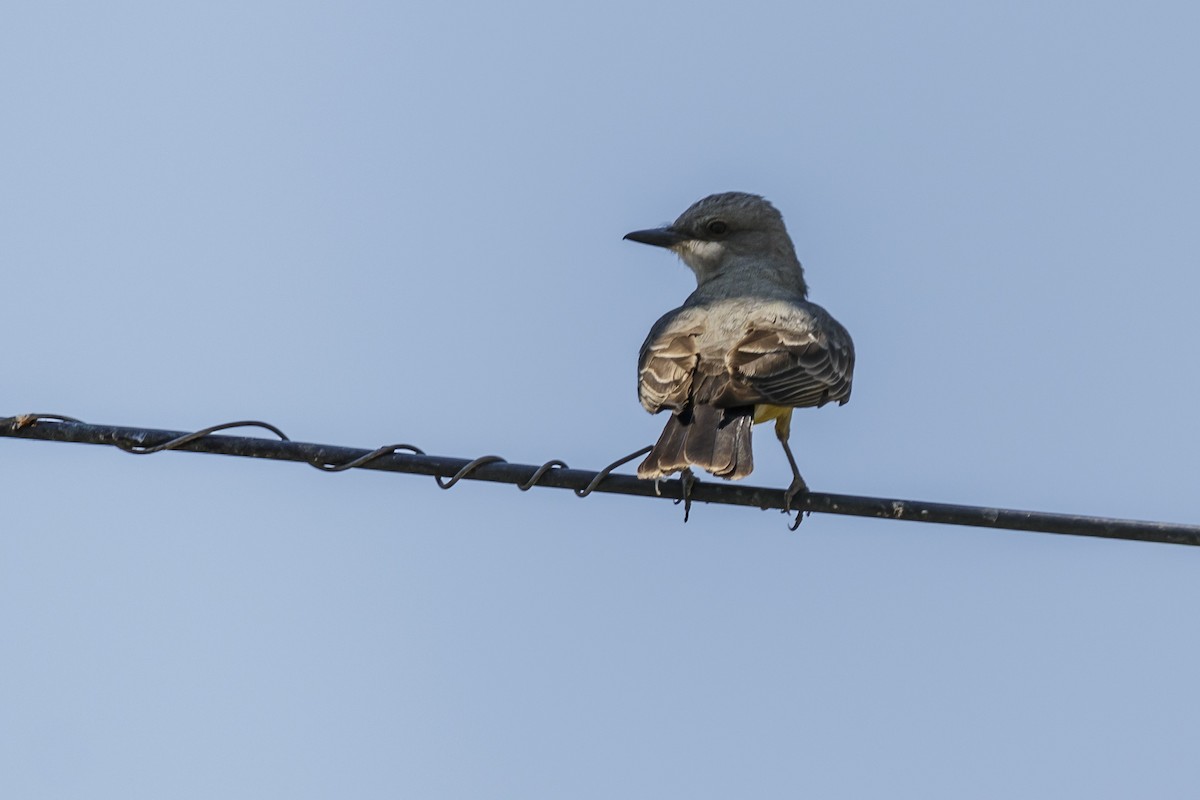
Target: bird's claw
<point>687,479</point>
<point>798,486</point>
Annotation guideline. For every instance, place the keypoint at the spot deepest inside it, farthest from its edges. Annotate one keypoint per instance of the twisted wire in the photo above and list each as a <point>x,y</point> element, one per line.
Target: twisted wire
<point>555,473</point>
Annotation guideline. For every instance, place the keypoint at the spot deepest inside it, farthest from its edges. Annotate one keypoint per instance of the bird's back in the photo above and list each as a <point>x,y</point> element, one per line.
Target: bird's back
<point>762,350</point>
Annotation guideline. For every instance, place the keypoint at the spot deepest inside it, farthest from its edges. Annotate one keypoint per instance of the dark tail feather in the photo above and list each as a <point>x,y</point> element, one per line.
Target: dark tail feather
<point>714,439</point>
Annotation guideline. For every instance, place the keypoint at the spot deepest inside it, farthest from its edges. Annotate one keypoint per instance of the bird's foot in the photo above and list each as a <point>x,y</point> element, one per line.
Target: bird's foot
<point>798,487</point>
<point>687,479</point>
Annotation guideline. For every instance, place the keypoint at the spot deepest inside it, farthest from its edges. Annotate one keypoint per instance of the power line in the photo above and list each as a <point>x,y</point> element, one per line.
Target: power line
<point>556,474</point>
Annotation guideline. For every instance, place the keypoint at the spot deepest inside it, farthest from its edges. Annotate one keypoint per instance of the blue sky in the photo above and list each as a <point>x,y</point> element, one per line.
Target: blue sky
<point>372,222</point>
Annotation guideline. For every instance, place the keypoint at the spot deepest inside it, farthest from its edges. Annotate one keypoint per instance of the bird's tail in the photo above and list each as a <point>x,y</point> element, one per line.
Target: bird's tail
<point>715,439</point>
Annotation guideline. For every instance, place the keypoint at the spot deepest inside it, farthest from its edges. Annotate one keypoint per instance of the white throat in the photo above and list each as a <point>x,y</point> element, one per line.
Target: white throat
<point>703,257</point>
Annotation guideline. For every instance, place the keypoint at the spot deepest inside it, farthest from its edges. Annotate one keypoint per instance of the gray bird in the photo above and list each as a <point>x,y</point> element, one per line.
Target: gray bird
<point>745,347</point>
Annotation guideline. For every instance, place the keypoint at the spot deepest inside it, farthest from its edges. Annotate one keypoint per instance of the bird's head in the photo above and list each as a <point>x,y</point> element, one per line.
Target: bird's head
<point>724,229</point>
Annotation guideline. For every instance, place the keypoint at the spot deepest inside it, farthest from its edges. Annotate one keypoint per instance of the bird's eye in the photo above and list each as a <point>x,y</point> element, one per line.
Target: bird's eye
<point>717,227</point>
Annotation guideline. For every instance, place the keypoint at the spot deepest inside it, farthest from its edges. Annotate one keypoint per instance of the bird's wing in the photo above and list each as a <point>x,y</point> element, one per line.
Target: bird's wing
<point>668,360</point>
<point>799,356</point>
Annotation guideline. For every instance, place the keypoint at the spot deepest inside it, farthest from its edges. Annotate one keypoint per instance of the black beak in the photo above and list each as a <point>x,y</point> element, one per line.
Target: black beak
<point>659,237</point>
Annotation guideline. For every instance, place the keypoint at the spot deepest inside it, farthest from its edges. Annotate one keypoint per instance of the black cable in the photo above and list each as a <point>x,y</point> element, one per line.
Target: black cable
<point>556,474</point>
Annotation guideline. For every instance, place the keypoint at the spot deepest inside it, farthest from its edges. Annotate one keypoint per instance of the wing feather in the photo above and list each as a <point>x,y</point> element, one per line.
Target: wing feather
<point>799,359</point>
<point>668,360</point>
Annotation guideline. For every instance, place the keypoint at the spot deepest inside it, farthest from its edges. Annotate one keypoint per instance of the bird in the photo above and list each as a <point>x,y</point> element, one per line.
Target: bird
<point>745,347</point>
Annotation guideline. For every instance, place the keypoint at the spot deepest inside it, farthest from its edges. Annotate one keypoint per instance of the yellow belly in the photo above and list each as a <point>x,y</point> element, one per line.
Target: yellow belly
<point>782,416</point>
<point>766,413</point>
